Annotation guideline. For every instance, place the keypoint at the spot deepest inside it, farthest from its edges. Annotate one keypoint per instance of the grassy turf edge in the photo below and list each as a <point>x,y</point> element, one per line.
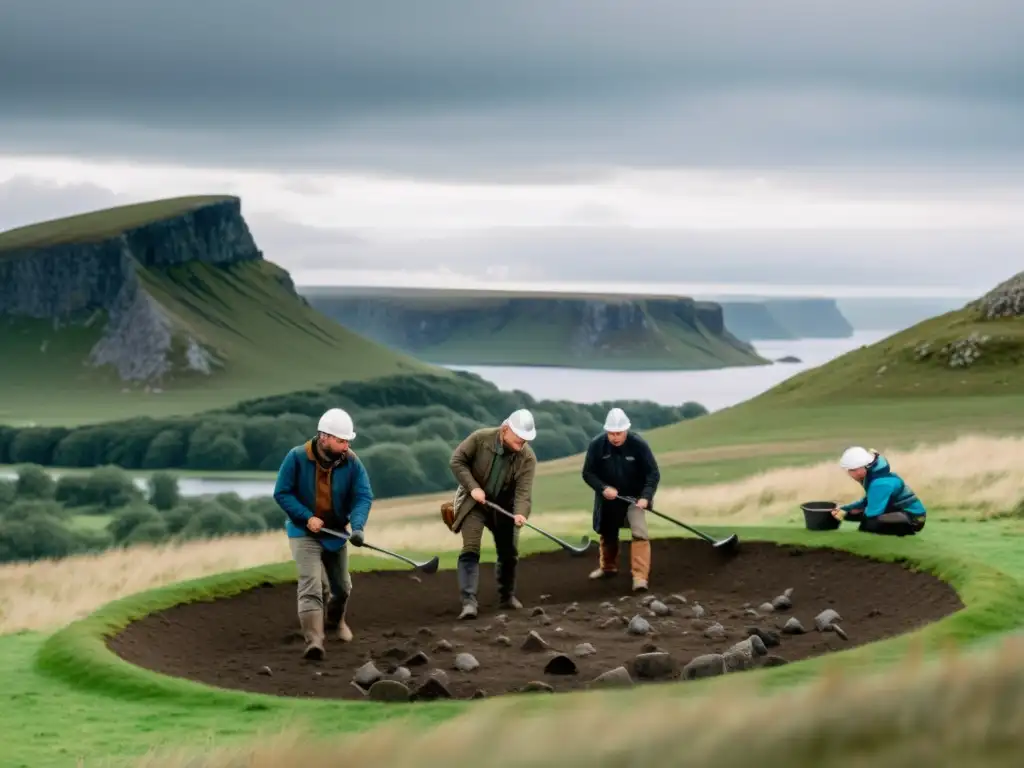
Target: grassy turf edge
<point>78,654</point>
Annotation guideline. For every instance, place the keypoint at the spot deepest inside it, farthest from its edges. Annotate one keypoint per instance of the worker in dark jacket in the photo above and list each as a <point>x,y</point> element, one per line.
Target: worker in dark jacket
<point>620,463</point>
<point>889,506</point>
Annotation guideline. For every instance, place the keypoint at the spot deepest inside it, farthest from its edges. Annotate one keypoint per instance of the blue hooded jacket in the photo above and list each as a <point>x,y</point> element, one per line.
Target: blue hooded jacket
<point>349,499</point>
<point>885,491</point>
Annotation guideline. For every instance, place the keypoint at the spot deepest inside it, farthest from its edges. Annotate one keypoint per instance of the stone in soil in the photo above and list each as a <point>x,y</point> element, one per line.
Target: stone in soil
<point>676,599</point>
<point>613,678</point>
<point>367,675</point>
<point>503,640</point>
<point>418,659</point>
<point>465,662</point>
<point>657,665</point>
<point>782,603</point>
<point>638,625</point>
<point>537,686</point>
<point>431,689</point>
<point>534,642</point>
<point>769,638</point>
<point>388,690</point>
<point>658,608</point>
<point>715,632</point>
<point>705,665</point>
<point>793,627</point>
<point>560,664</point>
<point>584,649</point>
<point>826,618</point>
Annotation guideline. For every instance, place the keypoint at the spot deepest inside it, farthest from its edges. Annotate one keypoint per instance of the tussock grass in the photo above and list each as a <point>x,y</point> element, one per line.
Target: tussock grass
<point>973,474</point>
<point>955,710</point>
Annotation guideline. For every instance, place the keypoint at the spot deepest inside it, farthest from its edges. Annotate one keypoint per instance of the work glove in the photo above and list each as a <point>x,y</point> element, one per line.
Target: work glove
<point>357,537</point>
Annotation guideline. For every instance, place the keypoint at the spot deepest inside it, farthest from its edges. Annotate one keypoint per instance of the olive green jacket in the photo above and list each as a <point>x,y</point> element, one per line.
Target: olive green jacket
<point>471,464</point>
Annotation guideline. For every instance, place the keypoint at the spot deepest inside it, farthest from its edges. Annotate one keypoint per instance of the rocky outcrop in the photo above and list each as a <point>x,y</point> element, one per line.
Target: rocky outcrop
<point>99,277</point>
<point>1005,300</point>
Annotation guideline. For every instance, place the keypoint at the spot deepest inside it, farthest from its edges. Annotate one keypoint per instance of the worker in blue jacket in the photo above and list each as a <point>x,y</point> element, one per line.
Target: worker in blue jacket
<point>322,483</point>
<point>889,506</point>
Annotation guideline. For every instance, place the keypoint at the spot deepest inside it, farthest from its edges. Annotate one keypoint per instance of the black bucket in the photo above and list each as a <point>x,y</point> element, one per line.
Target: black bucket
<point>818,515</point>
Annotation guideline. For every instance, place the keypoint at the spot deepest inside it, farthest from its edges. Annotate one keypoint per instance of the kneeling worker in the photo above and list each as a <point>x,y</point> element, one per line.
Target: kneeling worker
<point>322,482</point>
<point>495,464</point>
<point>620,462</point>
<point>888,506</point>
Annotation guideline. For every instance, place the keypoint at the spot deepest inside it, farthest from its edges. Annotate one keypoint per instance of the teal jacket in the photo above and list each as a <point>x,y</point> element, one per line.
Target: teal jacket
<point>296,493</point>
<point>885,491</point>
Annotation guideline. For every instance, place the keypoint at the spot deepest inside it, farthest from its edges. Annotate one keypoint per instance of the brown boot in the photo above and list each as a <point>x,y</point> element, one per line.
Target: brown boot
<point>640,563</point>
<point>608,562</point>
<point>344,633</point>
<point>312,623</point>
<point>335,618</point>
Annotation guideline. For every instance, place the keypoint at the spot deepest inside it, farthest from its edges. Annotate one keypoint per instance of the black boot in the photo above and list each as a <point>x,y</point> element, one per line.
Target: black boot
<point>469,580</point>
<point>506,573</point>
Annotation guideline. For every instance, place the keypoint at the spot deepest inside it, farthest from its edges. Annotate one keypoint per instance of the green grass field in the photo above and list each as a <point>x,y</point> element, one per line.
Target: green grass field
<point>120,712</point>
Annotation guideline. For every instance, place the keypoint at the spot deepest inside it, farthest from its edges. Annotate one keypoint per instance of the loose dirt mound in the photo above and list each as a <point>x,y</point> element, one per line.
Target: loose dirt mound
<point>707,609</point>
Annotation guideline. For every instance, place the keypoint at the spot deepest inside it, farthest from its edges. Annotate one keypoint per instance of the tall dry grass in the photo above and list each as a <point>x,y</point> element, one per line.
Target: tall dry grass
<point>959,711</point>
<point>979,474</point>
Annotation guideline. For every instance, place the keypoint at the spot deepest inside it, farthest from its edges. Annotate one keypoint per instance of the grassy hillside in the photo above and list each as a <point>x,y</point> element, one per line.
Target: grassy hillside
<point>262,337</point>
<point>100,224</point>
<point>598,331</point>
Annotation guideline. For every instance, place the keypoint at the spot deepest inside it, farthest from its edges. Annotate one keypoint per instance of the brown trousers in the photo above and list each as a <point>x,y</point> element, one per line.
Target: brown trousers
<point>640,547</point>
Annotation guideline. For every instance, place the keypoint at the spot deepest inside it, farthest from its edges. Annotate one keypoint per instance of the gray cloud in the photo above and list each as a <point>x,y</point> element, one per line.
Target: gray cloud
<point>27,200</point>
<point>562,88</point>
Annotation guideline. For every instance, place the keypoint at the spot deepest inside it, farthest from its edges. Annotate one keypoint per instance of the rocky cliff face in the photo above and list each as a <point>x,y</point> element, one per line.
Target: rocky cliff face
<point>1005,300</point>
<point>74,282</point>
<point>757,320</point>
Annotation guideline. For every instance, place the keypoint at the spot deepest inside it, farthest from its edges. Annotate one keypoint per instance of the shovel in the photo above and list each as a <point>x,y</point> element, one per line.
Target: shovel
<point>430,566</point>
<point>728,543</point>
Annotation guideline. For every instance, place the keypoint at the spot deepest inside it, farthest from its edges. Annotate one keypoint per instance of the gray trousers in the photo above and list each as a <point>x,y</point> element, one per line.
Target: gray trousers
<point>322,574</point>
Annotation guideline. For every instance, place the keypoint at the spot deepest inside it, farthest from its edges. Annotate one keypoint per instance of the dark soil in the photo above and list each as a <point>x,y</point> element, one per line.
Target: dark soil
<point>252,641</point>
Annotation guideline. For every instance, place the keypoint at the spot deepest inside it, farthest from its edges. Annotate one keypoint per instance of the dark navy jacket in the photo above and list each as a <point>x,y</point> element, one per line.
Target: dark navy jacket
<point>630,468</point>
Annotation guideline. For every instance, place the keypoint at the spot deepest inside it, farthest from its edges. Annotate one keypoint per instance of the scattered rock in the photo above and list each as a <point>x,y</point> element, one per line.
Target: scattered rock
<point>418,659</point>
<point>439,674</point>
<point>431,689</point>
<point>766,608</point>
<point>395,653</point>
<point>444,645</point>
<point>367,675</point>
<point>769,638</point>
<point>655,666</point>
<point>793,627</point>
<point>534,642</point>
<point>698,611</point>
<point>536,686</point>
<point>676,599</point>
<point>503,640</point>
<point>825,619</point>
<point>658,608</point>
<point>265,671</point>
<point>647,600</point>
<point>750,613</point>
<point>773,661</point>
<point>609,622</point>
<point>584,649</point>
<point>538,611</point>
<point>465,662</point>
<point>788,592</point>
<point>782,603</point>
<point>743,655</point>
<point>501,618</point>
<point>389,690</point>
<point>401,674</point>
<point>560,664</point>
<point>613,678</point>
<point>571,608</point>
<point>715,632</point>
<point>638,625</point>
<point>706,665</point>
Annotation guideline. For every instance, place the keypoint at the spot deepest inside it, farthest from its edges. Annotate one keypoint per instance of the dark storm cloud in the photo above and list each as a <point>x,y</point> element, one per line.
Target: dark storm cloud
<point>558,87</point>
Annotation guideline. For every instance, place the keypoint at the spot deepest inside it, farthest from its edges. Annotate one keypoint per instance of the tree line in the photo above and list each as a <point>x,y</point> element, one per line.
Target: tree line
<point>407,427</point>
<point>44,517</point>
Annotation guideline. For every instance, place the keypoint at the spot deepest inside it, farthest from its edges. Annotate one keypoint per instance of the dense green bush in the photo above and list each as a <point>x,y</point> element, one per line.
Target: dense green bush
<point>406,428</point>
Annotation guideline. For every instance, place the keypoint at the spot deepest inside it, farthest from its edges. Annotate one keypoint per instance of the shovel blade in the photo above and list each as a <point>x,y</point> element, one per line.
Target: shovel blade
<point>431,565</point>
<point>727,543</point>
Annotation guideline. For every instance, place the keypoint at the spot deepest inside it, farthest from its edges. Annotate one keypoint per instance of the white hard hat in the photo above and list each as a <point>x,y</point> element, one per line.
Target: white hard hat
<point>616,421</point>
<point>856,457</point>
<point>521,423</point>
<point>338,423</point>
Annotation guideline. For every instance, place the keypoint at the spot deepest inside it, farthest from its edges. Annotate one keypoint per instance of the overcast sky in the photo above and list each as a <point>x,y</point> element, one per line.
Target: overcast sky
<point>675,141</point>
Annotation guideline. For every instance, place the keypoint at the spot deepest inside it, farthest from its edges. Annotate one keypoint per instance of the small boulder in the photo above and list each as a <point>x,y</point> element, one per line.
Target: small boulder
<point>698,611</point>
<point>465,662</point>
<point>675,600</point>
<point>766,608</point>
<point>444,646</point>
<point>750,613</point>
<point>367,675</point>
<point>534,642</point>
<point>825,619</point>
<point>265,671</point>
<point>613,678</point>
<point>538,611</point>
<point>769,638</point>
<point>395,653</point>
<point>536,686</point>
<point>793,627</point>
<point>638,625</point>
<point>788,592</point>
<point>782,603</point>
<point>418,659</point>
<point>571,608</point>
<point>715,632</point>
<point>584,649</point>
<point>658,608</point>
<point>439,674</point>
<point>431,689</point>
<point>743,654</point>
<point>706,665</point>
<point>647,600</point>
<point>560,664</point>
<point>389,690</point>
<point>503,640</point>
<point>401,674</point>
<point>655,666</point>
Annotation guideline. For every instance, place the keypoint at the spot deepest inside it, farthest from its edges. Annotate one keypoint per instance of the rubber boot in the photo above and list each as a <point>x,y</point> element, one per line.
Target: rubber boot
<point>335,617</point>
<point>640,563</point>
<point>608,558</point>
<point>506,573</point>
<point>469,580</point>
<point>312,623</point>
